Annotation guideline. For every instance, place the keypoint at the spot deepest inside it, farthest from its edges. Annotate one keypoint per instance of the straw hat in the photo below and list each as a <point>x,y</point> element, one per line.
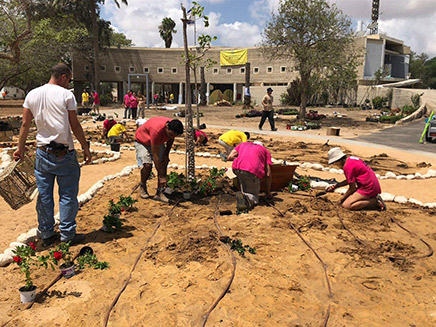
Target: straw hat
<point>335,154</point>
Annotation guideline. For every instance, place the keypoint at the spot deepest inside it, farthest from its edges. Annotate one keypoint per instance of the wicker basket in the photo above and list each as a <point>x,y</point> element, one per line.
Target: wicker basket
<point>18,183</point>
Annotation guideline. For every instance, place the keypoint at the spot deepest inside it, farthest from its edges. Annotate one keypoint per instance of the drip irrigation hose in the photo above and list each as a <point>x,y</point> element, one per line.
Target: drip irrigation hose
<point>358,240</point>
<point>114,302</point>
<point>324,265</point>
<point>224,292</point>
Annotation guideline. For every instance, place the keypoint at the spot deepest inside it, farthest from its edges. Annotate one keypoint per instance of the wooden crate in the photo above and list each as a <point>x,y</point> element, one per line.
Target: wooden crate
<point>333,131</point>
<point>18,183</point>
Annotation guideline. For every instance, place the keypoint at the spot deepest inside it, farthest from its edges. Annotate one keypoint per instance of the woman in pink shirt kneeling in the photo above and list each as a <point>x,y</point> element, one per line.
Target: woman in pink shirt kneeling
<point>364,188</point>
<point>251,163</point>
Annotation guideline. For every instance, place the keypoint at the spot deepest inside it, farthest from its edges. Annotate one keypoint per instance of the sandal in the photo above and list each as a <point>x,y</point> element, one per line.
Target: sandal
<point>381,203</point>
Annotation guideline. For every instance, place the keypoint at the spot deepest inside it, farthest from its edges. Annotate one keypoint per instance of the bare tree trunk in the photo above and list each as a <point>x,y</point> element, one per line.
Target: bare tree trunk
<point>95,45</point>
<point>203,98</point>
<point>188,106</point>
<point>304,95</point>
<point>247,98</point>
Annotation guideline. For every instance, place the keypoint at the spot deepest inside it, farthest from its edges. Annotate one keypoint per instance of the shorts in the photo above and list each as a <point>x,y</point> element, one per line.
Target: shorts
<point>227,147</point>
<point>144,154</point>
<point>250,185</point>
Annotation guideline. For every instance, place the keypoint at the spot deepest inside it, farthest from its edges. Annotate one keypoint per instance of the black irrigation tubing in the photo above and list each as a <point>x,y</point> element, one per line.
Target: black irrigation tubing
<point>224,292</point>
<point>324,265</point>
<point>114,302</point>
<point>430,249</point>
<point>358,240</point>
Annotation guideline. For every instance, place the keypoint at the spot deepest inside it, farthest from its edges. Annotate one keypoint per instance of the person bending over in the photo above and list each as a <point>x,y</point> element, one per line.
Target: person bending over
<point>200,137</point>
<point>364,188</point>
<point>117,132</point>
<point>231,139</point>
<point>153,142</point>
<point>251,163</point>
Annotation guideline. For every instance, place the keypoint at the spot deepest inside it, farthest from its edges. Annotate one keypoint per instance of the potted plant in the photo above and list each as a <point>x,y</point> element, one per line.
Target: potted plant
<point>126,203</point>
<point>25,258</point>
<point>62,252</point>
<point>189,188</point>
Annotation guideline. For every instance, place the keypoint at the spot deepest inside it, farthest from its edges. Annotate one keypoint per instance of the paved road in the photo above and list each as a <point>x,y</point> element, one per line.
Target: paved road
<point>405,137</point>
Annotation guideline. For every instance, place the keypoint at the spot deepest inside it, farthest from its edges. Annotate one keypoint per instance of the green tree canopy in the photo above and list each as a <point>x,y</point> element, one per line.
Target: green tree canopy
<point>166,30</point>
<point>314,35</point>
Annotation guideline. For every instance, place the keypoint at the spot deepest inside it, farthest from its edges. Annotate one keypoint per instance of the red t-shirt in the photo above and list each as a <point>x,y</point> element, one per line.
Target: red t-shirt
<point>96,98</point>
<point>108,124</point>
<point>356,171</point>
<point>152,132</point>
<point>252,158</point>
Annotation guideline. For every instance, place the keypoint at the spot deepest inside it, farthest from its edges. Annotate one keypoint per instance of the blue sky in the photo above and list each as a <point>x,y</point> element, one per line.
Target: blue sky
<point>239,23</point>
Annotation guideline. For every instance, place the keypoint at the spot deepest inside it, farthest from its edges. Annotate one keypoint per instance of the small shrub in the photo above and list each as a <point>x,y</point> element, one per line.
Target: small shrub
<point>416,100</point>
<point>408,109</point>
<point>390,119</point>
<point>377,102</point>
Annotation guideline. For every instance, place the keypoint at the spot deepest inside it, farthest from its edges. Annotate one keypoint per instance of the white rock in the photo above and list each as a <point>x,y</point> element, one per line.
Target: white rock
<point>9,251</point>
<point>325,169</point>
<point>419,176</point>
<point>319,185</point>
<point>387,197</point>
<point>410,177</point>
<point>340,190</point>
<point>400,199</point>
<point>333,170</point>
<point>431,173</point>
<point>5,259</point>
<point>378,176</point>
<point>306,165</point>
<point>14,245</point>
<point>390,174</point>
<point>417,202</point>
<point>399,177</point>
<point>429,205</point>
<point>207,154</point>
<point>204,166</point>
<point>33,233</point>
<point>340,171</point>
<point>23,238</point>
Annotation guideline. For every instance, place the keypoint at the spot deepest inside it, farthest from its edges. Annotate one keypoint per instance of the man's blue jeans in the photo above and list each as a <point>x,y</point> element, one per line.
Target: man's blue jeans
<point>66,170</point>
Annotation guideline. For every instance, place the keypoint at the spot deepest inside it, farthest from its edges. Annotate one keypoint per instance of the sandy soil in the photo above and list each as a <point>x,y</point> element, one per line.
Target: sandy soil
<point>185,267</point>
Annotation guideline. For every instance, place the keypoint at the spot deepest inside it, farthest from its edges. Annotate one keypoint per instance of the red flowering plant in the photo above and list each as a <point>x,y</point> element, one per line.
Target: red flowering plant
<point>25,257</point>
<point>61,252</point>
<point>303,184</point>
<point>207,187</point>
<point>126,202</point>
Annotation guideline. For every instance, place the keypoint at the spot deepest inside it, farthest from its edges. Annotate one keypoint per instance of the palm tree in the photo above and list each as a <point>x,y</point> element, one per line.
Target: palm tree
<point>166,30</point>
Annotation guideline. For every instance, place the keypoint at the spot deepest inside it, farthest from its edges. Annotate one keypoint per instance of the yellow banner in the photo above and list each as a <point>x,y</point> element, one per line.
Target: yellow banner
<point>233,57</point>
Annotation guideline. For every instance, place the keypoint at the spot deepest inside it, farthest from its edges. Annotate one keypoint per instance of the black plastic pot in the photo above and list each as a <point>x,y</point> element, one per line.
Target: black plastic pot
<point>115,147</point>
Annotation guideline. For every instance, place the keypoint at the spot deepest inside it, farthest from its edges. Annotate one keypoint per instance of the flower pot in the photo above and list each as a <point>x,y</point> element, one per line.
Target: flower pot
<point>115,147</point>
<point>27,296</point>
<point>67,271</point>
<point>169,190</point>
<point>187,195</point>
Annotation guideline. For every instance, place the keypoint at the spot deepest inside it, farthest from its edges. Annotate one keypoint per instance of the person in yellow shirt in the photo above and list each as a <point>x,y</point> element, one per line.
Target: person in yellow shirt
<point>117,132</point>
<point>85,98</point>
<point>231,139</point>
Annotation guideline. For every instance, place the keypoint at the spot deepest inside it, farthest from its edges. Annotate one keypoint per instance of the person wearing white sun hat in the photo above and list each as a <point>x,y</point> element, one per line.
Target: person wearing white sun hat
<point>364,188</point>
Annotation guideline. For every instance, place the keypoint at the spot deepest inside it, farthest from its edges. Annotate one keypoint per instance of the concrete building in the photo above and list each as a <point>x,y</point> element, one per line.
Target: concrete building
<point>166,72</point>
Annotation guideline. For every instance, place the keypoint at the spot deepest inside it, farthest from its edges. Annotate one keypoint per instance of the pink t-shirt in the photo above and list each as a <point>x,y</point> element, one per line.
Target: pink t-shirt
<point>252,158</point>
<point>127,100</point>
<point>133,102</point>
<point>198,133</point>
<point>96,98</point>
<point>356,171</point>
<point>152,132</point>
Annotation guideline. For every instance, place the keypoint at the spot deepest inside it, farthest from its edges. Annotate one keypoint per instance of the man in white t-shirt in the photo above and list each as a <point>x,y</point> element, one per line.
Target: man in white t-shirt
<point>268,110</point>
<point>55,111</point>
<point>140,121</point>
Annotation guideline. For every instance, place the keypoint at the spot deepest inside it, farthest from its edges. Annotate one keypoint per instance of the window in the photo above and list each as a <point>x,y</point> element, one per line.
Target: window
<point>174,70</point>
<point>283,69</point>
<point>228,71</point>
<point>256,70</point>
<point>215,71</point>
<point>242,70</point>
<point>103,68</point>
<point>145,70</point>
<point>87,68</point>
<point>269,69</point>
<point>131,69</point>
<point>117,69</point>
<point>160,70</point>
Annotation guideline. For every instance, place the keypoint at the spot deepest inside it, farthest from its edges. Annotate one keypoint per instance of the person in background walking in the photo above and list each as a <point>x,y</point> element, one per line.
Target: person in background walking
<point>96,104</point>
<point>55,111</point>
<point>134,105</point>
<point>127,110</point>
<point>141,105</point>
<point>155,99</point>
<point>268,110</point>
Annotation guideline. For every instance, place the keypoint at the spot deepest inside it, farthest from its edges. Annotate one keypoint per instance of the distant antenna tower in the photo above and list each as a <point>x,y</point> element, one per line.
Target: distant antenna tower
<point>374,17</point>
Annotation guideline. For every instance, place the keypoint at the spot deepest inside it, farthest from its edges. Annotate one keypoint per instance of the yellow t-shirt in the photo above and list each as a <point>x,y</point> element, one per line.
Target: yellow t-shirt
<point>85,97</point>
<point>116,130</point>
<point>233,137</point>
